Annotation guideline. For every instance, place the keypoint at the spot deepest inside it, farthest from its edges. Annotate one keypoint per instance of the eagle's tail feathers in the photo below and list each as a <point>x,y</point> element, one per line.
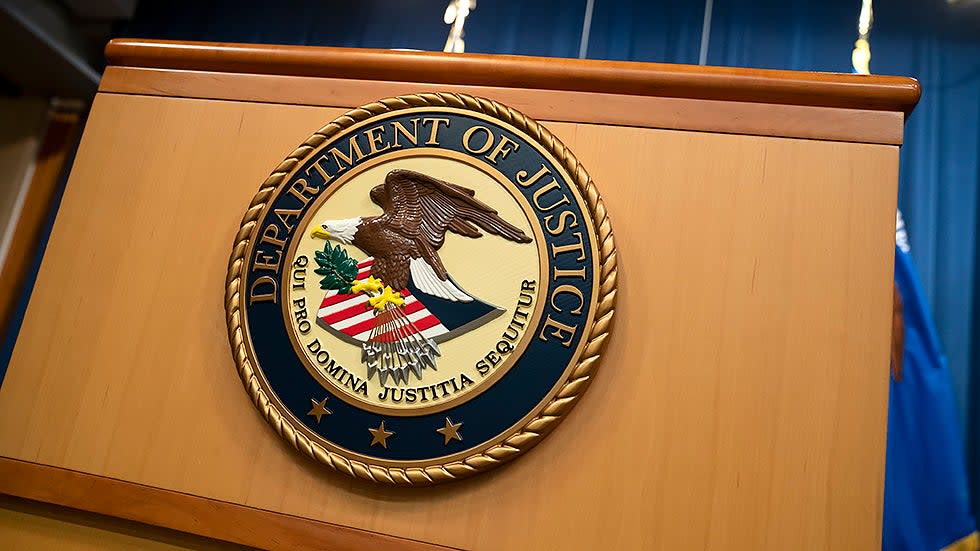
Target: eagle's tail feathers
<point>431,257</point>
<point>426,280</point>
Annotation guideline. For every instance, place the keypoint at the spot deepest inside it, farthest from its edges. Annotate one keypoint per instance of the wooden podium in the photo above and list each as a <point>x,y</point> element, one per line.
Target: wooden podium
<point>742,400</point>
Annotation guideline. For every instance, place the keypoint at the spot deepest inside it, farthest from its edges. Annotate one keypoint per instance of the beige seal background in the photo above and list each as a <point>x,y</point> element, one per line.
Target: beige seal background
<point>490,268</point>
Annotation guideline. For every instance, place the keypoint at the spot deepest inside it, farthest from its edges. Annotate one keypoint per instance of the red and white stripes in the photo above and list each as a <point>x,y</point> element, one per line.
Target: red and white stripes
<point>354,317</point>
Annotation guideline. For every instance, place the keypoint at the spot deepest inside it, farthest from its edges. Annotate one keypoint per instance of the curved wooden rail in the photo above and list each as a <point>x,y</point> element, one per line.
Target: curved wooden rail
<point>188,513</point>
<point>879,93</point>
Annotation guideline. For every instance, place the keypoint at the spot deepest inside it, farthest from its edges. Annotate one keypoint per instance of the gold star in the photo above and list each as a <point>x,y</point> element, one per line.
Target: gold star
<point>319,409</point>
<point>380,435</point>
<point>450,431</point>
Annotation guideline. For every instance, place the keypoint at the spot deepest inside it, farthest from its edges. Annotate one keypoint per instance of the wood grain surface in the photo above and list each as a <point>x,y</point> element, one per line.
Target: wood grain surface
<point>27,525</point>
<point>759,119</point>
<point>741,403</point>
<point>884,93</point>
<point>227,522</point>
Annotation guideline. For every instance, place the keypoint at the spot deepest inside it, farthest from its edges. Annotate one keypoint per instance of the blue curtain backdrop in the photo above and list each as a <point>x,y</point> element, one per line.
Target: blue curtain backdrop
<point>926,39</point>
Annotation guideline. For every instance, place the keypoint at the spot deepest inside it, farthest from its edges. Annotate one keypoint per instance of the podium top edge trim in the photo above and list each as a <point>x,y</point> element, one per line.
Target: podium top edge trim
<point>849,91</point>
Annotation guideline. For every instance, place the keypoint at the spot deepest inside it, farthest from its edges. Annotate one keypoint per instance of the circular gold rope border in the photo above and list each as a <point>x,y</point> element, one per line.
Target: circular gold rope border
<point>548,416</point>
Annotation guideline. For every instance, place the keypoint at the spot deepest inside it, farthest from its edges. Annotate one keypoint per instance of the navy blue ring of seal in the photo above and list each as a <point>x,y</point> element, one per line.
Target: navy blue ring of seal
<point>554,344</point>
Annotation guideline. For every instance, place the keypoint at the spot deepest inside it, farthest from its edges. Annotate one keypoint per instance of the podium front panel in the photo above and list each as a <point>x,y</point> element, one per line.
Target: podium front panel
<point>741,401</point>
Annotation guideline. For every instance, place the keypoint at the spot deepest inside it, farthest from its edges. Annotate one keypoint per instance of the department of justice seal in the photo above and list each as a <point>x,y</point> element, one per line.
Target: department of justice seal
<point>422,289</point>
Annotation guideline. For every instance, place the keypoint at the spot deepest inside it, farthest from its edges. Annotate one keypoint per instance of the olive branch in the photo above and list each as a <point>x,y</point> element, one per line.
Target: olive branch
<point>338,269</point>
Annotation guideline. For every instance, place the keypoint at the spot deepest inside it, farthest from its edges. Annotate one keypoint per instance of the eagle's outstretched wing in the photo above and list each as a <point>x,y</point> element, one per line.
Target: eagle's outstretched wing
<point>423,208</point>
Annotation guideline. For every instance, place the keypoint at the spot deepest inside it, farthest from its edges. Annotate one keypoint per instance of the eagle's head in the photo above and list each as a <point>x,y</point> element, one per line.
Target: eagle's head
<point>341,230</point>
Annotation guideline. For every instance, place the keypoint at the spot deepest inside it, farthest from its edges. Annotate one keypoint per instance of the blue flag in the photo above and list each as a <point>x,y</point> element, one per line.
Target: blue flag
<point>927,507</point>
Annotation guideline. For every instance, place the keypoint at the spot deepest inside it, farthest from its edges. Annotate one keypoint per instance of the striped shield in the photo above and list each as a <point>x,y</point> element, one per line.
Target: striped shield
<point>351,317</point>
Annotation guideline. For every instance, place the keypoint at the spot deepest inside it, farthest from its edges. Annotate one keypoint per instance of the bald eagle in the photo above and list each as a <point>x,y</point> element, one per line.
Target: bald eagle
<point>405,239</point>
